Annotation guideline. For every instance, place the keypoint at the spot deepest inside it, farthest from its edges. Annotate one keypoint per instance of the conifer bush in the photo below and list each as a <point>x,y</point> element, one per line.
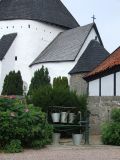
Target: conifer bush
<point>40,78</point>
<point>60,82</point>
<point>13,84</point>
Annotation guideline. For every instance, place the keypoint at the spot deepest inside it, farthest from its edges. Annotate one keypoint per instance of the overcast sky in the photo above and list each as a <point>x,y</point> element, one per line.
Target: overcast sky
<point>107,13</point>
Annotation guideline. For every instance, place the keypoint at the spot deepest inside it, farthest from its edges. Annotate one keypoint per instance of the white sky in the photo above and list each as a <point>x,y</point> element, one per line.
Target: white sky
<point>107,13</point>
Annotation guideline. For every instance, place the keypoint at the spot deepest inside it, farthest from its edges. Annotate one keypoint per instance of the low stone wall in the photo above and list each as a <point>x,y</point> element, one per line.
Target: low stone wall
<point>100,110</point>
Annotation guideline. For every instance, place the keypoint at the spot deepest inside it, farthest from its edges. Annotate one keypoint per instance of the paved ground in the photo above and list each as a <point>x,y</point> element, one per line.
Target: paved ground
<point>67,153</point>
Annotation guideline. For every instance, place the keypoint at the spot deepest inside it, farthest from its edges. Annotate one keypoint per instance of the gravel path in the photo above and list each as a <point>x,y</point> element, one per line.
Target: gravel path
<point>67,153</point>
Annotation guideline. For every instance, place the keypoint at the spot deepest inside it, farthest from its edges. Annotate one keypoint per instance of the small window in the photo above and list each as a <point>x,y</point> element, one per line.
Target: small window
<point>15,58</point>
<point>7,26</point>
<point>28,25</point>
<point>13,26</point>
<point>96,38</point>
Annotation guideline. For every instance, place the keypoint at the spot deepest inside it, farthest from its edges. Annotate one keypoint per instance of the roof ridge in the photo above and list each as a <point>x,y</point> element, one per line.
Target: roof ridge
<point>50,11</point>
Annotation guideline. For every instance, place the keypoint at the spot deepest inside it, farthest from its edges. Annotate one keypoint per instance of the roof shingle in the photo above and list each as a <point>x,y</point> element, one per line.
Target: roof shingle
<point>5,43</point>
<point>112,61</point>
<point>94,54</point>
<point>50,11</point>
<point>66,46</point>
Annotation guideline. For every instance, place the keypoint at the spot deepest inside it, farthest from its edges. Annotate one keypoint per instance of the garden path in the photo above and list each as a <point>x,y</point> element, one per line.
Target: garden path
<point>67,153</point>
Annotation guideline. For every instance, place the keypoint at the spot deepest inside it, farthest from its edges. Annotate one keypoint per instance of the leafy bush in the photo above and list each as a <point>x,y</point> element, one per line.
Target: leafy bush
<point>111,130</point>
<point>13,84</point>
<point>115,115</point>
<point>41,78</point>
<point>111,133</point>
<point>23,122</point>
<point>13,147</point>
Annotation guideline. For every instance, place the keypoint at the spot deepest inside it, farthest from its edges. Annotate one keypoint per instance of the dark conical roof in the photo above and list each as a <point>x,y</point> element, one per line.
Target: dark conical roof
<point>94,54</point>
<point>51,11</point>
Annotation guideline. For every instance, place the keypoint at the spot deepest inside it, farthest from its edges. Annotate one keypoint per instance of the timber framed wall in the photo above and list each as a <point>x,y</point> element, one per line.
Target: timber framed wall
<point>105,86</point>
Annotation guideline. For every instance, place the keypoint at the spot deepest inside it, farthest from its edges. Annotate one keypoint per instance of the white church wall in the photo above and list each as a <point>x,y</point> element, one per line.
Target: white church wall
<point>32,38</point>
<point>7,64</point>
<point>94,88</point>
<point>118,84</point>
<point>56,69</point>
<point>0,67</point>
<point>107,85</point>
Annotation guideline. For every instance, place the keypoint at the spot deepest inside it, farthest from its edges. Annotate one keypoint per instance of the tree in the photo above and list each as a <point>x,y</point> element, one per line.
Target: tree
<point>13,84</point>
<point>60,82</point>
<point>40,78</point>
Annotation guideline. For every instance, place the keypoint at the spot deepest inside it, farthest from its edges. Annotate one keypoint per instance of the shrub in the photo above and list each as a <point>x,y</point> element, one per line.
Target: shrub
<point>23,122</point>
<point>111,130</point>
<point>42,97</point>
<point>60,82</point>
<point>13,84</point>
<point>111,133</point>
<point>13,147</point>
<point>41,78</point>
<point>115,115</point>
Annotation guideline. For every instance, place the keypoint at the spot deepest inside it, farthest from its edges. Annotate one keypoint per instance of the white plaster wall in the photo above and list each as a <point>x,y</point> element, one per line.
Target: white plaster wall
<point>118,84</point>
<point>33,37</point>
<point>63,68</point>
<point>56,69</point>
<point>0,67</point>
<point>94,88</point>
<point>7,64</point>
<point>107,85</point>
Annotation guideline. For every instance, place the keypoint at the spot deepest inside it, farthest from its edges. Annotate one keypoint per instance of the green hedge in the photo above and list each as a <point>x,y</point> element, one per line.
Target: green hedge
<point>47,96</point>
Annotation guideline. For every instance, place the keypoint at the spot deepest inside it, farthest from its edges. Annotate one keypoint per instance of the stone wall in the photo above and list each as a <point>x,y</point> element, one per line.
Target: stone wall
<point>100,109</point>
<point>78,84</point>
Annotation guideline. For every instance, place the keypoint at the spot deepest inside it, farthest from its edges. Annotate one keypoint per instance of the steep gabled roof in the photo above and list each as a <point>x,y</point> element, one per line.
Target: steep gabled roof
<point>112,61</point>
<point>66,46</point>
<point>5,43</point>
<point>94,54</point>
<point>50,11</point>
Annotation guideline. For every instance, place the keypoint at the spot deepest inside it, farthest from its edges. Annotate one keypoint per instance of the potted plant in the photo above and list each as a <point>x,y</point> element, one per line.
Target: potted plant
<point>77,136</point>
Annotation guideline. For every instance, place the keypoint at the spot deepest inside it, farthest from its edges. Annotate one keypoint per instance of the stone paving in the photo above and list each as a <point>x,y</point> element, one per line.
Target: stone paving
<point>67,153</point>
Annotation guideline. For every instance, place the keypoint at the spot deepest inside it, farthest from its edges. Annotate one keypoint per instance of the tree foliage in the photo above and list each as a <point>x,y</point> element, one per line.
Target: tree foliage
<point>40,78</point>
<point>60,82</point>
<point>13,84</point>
